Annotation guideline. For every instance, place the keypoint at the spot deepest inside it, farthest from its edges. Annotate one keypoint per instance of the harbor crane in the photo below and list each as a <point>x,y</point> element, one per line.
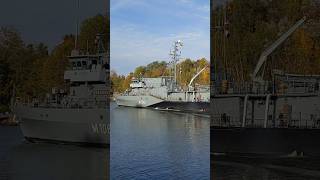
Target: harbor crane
<point>264,55</point>
<point>195,76</point>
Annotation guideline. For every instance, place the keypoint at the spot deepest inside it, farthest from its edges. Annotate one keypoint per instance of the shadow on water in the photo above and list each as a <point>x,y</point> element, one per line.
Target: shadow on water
<point>21,160</point>
<point>51,161</point>
<point>246,168</point>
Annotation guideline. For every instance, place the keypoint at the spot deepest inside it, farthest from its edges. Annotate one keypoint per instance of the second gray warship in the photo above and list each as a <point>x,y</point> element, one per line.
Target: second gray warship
<point>165,93</point>
<point>278,118</point>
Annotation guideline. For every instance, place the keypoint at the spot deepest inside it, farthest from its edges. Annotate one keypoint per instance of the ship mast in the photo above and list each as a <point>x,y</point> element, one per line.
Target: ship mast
<point>175,54</point>
<point>75,51</point>
<point>99,43</point>
<point>77,28</point>
<point>220,33</point>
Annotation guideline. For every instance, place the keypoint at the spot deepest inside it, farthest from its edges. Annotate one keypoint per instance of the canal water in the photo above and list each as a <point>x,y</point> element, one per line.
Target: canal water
<point>265,169</point>
<point>21,160</point>
<point>146,144</point>
<point>153,144</point>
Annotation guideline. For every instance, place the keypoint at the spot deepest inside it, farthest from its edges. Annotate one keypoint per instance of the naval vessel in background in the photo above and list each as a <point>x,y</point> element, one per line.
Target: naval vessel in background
<point>164,93</point>
<point>267,118</point>
<point>79,113</point>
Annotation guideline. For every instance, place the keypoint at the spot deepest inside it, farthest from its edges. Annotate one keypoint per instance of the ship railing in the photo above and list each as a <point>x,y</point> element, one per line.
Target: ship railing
<point>300,120</point>
<point>278,86</point>
<point>230,87</point>
<point>70,103</point>
<point>224,121</point>
<point>304,121</point>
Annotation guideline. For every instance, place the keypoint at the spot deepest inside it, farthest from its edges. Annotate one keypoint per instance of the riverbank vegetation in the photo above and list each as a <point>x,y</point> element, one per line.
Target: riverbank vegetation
<point>29,70</point>
<point>185,71</point>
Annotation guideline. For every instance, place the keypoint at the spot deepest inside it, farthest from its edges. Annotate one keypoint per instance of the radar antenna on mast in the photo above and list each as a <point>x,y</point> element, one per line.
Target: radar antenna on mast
<point>175,53</point>
<point>99,43</point>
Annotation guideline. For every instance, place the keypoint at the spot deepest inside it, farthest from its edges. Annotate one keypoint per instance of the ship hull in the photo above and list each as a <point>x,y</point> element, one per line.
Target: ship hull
<point>77,126</point>
<point>194,107</point>
<point>265,141</point>
<point>152,102</point>
<point>137,101</point>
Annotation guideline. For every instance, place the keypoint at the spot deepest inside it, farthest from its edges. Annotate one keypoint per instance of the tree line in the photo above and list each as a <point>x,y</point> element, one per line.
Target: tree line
<point>30,70</point>
<point>241,30</point>
<point>185,71</point>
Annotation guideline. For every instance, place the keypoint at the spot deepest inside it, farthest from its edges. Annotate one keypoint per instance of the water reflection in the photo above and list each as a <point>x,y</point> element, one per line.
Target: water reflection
<point>223,168</point>
<point>152,144</point>
<point>50,161</point>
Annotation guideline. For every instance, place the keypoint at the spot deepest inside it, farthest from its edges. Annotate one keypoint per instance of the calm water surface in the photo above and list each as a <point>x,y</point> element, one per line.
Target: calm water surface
<point>20,160</point>
<point>152,144</point>
<point>268,170</point>
<point>146,144</point>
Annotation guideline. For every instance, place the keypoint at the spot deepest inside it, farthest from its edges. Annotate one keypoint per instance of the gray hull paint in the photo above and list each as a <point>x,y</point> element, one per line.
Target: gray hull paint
<point>301,136</point>
<point>85,126</point>
<point>192,107</point>
<point>137,101</point>
<point>274,142</point>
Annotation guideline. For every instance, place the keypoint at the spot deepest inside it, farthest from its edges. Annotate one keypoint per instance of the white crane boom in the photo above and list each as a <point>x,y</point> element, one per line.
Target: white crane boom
<point>194,77</point>
<point>270,49</point>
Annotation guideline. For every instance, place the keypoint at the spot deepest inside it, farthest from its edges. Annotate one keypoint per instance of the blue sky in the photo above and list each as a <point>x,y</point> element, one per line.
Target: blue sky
<point>143,31</point>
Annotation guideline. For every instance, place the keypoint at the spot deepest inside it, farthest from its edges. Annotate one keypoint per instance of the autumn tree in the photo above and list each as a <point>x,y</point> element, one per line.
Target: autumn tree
<point>242,30</point>
<point>30,70</point>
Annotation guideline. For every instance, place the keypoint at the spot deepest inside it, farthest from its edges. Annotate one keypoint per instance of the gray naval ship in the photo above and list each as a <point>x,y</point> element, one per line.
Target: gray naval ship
<point>164,92</point>
<point>79,112</point>
<point>278,118</point>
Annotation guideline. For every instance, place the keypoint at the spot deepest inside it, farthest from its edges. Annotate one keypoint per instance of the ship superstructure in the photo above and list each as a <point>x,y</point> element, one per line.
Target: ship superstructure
<point>164,92</point>
<point>78,113</point>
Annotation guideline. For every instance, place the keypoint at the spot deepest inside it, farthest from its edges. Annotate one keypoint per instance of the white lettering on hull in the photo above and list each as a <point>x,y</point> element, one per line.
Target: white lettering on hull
<point>100,128</point>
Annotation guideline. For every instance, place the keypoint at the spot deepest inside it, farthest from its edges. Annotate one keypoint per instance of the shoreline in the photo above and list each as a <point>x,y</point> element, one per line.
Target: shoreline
<point>9,121</point>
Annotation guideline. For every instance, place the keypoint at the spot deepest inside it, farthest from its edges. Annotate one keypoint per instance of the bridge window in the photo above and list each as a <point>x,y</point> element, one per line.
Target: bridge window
<point>74,65</point>
<point>84,64</point>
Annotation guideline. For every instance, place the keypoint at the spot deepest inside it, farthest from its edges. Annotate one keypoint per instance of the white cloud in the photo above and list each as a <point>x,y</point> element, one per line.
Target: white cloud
<point>116,5</point>
<point>138,44</point>
<point>131,47</point>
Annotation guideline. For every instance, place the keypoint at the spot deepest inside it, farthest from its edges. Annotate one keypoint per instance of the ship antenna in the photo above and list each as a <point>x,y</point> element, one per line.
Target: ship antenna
<point>175,54</point>
<point>77,28</point>
<point>87,46</point>
<point>99,43</point>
